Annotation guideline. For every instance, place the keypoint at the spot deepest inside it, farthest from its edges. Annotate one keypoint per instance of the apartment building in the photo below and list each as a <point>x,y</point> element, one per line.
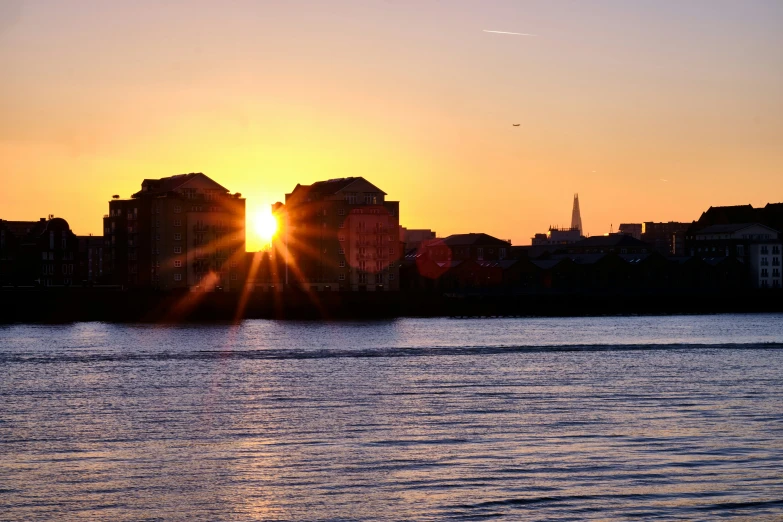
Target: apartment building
<point>756,245</point>
<point>179,232</point>
<point>43,252</point>
<point>339,234</point>
<point>662,237</point>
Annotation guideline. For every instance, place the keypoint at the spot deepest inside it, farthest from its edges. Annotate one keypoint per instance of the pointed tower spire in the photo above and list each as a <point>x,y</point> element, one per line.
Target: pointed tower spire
<point>576,216</point>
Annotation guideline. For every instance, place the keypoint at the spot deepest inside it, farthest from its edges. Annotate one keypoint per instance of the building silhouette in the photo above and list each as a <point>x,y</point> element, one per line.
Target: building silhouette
<point>339,234</point>
<point>557,236</point>
<point>179,232</point>
<point>413,238</point>
<point>576,215</point>
<point>664,237</point>
<point>631,229</point>
<point>757,246</point>
<point>39,253</point>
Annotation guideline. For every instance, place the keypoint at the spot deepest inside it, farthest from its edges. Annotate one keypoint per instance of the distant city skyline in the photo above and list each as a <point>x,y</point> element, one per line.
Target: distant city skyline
<point>651,111</point>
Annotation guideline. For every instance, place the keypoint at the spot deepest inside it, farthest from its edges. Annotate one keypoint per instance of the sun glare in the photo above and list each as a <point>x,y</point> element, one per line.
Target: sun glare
<point>266,226</point>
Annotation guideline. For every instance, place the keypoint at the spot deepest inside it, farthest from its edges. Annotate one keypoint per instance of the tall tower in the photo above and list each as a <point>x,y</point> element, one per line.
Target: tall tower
<point>576,216</point>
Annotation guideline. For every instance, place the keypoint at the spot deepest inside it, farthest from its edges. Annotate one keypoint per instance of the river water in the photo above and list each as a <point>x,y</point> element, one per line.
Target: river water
<point>609,418</point>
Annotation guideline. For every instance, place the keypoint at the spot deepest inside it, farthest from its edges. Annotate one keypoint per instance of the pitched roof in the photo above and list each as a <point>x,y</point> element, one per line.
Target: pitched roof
<point>473,238</point>
<point>583,259</point>
<point>332,186</point>
<point>545,263</point>
<point>163,185</point>
<point>728,214</point>
<point>729,228</point>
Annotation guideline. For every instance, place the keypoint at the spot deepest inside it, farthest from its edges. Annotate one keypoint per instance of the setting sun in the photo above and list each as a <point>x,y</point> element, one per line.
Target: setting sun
<point>265,226</point>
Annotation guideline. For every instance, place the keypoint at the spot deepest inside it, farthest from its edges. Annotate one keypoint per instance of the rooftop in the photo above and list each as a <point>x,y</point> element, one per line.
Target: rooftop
<point>728,228</point>
<point>170,183</point>
<point>473,238</point>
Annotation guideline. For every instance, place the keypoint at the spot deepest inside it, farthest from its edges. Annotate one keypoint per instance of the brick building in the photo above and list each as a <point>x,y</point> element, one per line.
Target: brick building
<point>340,234</point>
<point>180,232</point>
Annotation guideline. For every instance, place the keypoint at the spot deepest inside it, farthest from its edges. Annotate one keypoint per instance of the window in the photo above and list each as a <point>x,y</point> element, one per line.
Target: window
<point>342,225</point>
<point>776,272</point>
<point>391,277</point>
<point>177,222</point>
<point>157,237</point>
<point>764,261</point>
<point>764,250</point>
<point>234,264</point>
<point>391,251</point>
<point>341,238</point>
<point>776,249</point>
<point>480,253</point>
<point>177,236</point>
<point>340,211</point>
<point>157,223</point>
<point>342,263</point>
<point>775,261</point>
<point>502,253</point>
<point>764,272</point>
<point>177,277</point>
<point>64,243</point>
<point>233,277</point>
<point>342,250</point>
<point>177,250</point>
<point>177,264</point>
<point>341,277</point>
<point>177,209</point>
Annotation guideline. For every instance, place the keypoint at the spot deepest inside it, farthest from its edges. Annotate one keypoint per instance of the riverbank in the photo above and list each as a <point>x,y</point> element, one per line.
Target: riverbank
<point>116,305</point>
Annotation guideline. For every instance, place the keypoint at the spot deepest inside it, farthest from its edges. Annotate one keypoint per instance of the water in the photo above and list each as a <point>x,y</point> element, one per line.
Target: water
<point>673,418</point>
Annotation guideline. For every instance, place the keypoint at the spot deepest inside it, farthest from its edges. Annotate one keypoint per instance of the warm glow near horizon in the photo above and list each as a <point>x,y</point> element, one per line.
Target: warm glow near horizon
<point>264,227</point>
<point>649,110</point>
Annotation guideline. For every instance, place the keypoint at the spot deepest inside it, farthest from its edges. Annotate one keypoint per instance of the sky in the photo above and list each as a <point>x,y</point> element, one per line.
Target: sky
<point>650,110</point>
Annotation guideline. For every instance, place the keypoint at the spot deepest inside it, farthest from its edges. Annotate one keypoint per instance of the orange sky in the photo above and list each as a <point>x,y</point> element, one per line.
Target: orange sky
<point>612,98</point>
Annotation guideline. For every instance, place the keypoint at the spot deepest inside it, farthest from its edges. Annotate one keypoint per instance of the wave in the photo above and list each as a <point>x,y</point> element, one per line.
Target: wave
<point>334,353</point>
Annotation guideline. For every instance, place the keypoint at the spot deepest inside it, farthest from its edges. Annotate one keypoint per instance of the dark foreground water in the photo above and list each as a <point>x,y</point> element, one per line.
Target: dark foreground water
<point>554,419</point>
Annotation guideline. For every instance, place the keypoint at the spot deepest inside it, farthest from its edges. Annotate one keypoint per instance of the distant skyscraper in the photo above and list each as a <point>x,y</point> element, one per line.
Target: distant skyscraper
<point>576,216</point>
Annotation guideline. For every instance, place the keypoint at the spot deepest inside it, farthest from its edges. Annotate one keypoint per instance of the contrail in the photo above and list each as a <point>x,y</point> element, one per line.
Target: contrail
<point>507,32</point>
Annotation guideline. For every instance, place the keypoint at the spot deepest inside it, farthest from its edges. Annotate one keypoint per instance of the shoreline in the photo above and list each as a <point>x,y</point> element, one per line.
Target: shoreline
<point>62,305</point>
